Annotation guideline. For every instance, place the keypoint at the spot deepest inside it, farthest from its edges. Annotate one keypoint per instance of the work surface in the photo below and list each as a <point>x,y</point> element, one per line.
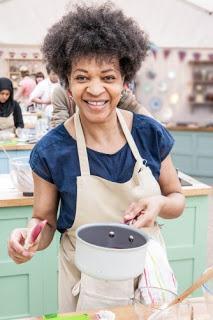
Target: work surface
<point>128,312</point>
<point>14,145</point>
<point>11,197</point>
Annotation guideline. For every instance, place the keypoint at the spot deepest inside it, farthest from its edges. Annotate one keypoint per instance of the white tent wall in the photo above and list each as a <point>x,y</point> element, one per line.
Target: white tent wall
<point>170,23</point>
<point>27,21</point>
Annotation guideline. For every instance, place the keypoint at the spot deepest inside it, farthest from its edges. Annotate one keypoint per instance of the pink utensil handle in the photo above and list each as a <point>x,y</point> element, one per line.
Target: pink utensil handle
<point>34,234</point>
<point>133,220</point>
<point>37,230</point>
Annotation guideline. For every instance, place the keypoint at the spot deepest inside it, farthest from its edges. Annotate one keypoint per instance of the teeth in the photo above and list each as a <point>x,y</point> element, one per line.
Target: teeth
<point>96,103</point>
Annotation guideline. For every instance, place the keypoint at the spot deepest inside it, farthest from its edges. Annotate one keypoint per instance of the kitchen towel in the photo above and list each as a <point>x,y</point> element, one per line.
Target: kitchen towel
<point>157,273</point>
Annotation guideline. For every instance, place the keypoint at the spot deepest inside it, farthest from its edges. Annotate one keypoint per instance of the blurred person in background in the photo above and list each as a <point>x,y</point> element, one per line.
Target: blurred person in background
<point>26,86</point>
<point>63,105</point>
<point>10,111</point>
<point>39,76</point>
<point>41,95</point>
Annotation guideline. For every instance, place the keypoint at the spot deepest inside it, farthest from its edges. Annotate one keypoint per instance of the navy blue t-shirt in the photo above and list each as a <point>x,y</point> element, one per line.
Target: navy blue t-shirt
<point>55,159</point>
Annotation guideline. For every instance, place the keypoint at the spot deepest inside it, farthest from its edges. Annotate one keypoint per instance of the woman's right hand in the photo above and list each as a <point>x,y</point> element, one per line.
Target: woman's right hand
<point>16,245</point>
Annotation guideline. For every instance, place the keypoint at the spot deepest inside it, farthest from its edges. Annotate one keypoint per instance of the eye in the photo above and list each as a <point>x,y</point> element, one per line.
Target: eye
<point>81,78</point>
<point>109,78</point>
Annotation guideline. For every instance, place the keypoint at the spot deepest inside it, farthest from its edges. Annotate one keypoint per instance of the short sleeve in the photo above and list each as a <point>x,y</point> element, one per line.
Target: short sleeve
<point>39,165</point>
<point>166,142</point>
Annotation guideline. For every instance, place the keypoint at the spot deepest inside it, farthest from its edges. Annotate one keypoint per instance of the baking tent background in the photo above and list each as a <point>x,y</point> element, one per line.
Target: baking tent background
<point>180,30</point>
<point>170,23</point>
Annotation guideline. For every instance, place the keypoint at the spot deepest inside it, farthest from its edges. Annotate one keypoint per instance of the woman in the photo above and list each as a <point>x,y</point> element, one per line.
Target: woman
<point>103,165</point>
<point>25,87</point>
<point>10,111</point>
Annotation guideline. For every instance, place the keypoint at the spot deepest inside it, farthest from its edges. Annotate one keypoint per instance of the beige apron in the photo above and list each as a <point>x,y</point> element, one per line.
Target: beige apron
<point>100,200</point>
<point>7,123</point>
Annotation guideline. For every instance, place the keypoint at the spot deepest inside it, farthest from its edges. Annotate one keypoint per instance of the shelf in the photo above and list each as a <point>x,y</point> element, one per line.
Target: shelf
<point>203,82</point>
<point>201,62</point>
<point>206,103</point>
<point>33,65</point>
<point>24,59</point>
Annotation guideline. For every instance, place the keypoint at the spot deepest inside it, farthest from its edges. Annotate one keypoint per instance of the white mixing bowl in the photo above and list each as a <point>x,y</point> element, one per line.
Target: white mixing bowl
<point>21,174</point>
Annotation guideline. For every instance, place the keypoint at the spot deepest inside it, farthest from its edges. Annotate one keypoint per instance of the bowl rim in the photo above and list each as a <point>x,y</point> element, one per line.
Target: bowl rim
<point>137,300</point>
<point>158,288</point>
<point>84,226</point>
<point>206,287</point>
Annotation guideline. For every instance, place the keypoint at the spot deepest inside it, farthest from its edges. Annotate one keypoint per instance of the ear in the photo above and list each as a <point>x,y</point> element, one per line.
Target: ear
<point>69,92</point>
<point>125,86</point>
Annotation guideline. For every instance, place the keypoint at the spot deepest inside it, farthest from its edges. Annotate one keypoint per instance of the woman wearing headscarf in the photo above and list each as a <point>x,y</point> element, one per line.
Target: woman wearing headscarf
<point>10,111</point>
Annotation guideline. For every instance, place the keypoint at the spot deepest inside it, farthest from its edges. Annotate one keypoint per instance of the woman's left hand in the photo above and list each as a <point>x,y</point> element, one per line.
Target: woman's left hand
<point>144,212</point>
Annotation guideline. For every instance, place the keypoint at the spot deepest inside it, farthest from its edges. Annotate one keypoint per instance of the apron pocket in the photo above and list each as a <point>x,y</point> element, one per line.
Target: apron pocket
<point>67,248</point>
<point>98,294</point>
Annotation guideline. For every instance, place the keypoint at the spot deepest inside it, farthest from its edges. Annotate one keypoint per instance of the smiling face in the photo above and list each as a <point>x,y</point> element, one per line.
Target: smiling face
<point>96,87</point>
<point>4,96</point>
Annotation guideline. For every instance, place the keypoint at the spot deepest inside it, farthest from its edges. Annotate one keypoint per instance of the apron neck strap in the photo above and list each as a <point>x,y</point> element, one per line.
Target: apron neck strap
<point>82,150</point>
<point>81,146</point>
<point>130,139</point>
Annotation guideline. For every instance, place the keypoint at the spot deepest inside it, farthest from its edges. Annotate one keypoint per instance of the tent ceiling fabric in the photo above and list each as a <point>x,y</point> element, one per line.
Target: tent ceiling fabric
<point>27,21</point>
<point>206,5</point>
<point>169,23</point>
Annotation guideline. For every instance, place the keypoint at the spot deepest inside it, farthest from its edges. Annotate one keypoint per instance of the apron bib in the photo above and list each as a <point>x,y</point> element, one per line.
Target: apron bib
<point>100,200</point>
<point>7,123</point>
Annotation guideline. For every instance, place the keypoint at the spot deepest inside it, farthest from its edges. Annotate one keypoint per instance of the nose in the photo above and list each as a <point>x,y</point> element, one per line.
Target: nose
<point>95,88</point>
<point>5,96</point>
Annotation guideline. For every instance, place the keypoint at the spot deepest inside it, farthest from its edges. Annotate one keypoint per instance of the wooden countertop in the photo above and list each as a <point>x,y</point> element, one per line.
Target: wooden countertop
<point>11,197</point>
<point>189,128</point>
<point>197,189</point>
<point>129,313</point>
<point>121,313</point>
<point>15,145</point>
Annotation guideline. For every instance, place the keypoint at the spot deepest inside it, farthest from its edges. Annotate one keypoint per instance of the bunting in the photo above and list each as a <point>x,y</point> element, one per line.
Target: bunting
<point>166,53</point>
<point>196,56</point>
<point>181,55</point>
<point>210,56</point>
<point>12,54</point>
<point>24,55</point>
<point>153,49</point>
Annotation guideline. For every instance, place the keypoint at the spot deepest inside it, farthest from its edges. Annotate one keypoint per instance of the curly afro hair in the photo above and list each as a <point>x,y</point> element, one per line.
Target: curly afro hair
<point>102,31</point>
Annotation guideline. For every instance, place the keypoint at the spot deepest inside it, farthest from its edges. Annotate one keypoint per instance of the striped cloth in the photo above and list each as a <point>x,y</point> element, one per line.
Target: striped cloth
<point>157,274</point>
